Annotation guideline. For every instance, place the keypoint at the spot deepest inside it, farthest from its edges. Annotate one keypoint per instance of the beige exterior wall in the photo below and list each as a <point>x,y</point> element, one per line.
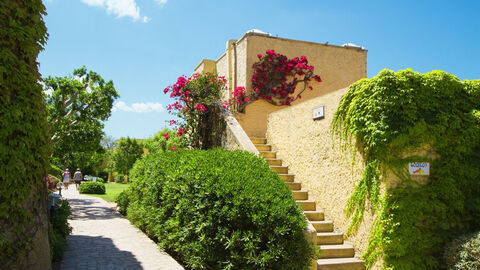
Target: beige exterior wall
<point>206,66</point>
<point>222,70</point>
<point>338,66</point>
<point>314,156</point>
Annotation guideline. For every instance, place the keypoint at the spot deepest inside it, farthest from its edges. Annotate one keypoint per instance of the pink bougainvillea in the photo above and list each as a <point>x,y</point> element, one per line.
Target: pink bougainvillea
<point>276,79</point>
<point>196,100</point>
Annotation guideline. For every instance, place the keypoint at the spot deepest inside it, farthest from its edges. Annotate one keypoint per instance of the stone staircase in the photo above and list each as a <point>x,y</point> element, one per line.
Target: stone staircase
<point>335,253</point>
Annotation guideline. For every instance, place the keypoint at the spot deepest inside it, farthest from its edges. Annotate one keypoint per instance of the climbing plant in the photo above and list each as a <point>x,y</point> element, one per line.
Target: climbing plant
<point>276,79</point>
<point>24,141</point>
<point>385,118</point>
<point>198,106</point>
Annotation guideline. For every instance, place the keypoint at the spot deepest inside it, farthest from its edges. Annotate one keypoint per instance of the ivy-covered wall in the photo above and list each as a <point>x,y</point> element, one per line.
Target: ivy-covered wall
<point>24,141</point>
<point>391,116</point>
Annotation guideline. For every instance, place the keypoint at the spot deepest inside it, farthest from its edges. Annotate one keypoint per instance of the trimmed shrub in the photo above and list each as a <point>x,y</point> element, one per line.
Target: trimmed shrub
<point>123,201</point>
<point>100,180</point>
<point>216,209</point>
<point>463,252</point>
<point>60,229</point>
<point>119,178</point>
<point>91,188</point>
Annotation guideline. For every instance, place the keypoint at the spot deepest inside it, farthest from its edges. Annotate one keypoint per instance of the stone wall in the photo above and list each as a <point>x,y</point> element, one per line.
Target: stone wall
<point>314,156</point>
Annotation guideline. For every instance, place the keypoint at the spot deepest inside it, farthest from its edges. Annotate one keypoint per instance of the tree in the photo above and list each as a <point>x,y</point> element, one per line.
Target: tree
<point>127,152</point>
<point>24,141</point>
<point>76,107</point>
<point>164,140</point>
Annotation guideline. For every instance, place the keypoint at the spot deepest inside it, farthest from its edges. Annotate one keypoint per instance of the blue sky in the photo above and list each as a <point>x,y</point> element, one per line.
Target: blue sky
<point>144,45</point>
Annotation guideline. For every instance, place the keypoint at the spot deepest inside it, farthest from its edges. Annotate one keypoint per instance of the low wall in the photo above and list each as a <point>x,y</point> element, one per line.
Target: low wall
<point>235,137</point>
<point>314,156</point>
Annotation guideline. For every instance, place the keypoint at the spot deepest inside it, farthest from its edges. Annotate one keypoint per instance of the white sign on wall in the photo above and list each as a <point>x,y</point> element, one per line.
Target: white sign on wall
<point>319,112</point>
<point>419,168</point>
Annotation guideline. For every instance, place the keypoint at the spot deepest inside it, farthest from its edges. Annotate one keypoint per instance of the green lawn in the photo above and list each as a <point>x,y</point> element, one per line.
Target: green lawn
<point>111,191</point>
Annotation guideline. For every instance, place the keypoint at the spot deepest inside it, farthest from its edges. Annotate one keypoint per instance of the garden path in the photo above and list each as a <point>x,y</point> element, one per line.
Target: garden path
<point>103,239</point>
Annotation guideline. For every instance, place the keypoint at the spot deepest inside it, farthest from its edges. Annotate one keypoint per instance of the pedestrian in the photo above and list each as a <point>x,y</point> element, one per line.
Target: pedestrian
<point>66,178</point>
<point>78,177</point>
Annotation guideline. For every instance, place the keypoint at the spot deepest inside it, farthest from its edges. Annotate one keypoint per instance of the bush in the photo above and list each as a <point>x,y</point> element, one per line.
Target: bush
<point>123,201</point>
<point>92,188</point>
<point>463,252</point>
<point>100,180</point>
<point>119,178</point>
<point>60,229</point>
<point>216,209</point>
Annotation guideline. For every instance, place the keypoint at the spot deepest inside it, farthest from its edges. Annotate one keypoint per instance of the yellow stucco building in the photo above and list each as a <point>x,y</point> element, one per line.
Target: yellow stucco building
<point>338,66</point>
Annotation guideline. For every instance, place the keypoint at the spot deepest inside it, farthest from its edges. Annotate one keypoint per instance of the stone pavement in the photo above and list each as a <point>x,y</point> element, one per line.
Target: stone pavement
<point>103,239</point>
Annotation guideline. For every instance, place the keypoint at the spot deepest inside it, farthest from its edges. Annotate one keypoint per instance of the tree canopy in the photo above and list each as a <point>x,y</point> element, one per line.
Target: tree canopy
<point>127,152</point>
<point>77,105</point>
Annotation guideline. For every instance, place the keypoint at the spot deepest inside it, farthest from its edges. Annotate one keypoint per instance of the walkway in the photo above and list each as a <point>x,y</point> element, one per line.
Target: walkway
<point>103,239</point>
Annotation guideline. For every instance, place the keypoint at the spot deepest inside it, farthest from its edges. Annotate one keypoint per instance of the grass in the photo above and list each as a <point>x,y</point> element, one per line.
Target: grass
<point>111,191</point>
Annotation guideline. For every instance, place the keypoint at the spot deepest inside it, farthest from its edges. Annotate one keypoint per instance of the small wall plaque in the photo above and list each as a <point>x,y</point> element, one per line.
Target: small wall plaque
<point>419,168</point>
<point>319,113</point>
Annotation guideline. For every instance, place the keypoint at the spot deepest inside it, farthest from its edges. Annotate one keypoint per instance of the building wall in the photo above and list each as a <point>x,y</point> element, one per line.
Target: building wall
<point>314,156</point>
<point>338,67</point>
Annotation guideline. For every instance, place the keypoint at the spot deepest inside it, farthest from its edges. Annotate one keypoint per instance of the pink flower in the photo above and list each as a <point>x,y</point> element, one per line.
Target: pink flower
<point>259,55</point>
<point>270,52</point>
<point>226,104</point>
<point>181,131</point>
<point>167,136</point>
<point>173,148</point>
<point>200,107</point>
<point>172,122</point>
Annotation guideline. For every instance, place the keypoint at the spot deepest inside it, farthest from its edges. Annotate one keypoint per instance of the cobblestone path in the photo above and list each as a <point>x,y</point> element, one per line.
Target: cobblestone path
<point>104,239</point>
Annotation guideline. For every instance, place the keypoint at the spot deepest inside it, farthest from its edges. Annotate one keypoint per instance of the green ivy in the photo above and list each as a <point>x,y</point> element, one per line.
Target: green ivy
<point>24,141</point>
<point>385,118</point>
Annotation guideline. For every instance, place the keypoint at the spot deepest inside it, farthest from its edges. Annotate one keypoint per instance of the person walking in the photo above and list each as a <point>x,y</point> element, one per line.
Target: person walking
<point>66,178</point>
<point>78,177</point>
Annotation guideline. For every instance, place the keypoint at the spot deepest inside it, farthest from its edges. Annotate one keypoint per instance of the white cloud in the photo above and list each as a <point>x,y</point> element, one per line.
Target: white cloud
<point>161,2</point>
<point>143,107</point>
<point>120,8</point>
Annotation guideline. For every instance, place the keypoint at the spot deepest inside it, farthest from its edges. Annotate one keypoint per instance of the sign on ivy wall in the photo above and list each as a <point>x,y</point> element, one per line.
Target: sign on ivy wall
<point>419,168</point>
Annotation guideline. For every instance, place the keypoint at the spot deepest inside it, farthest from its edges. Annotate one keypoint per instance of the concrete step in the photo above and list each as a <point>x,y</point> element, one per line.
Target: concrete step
<point>275,162</point>
<point>294,185</point>
<point>268,154</point>
<point>323,225</point>
<point>306,205</point>
<point>280,169</point>
<point>314,215</point>
<point>336,251</point>
<point>300,194</point>
<point>287,177</point>
<point>329,238</point>
<point>258,140</point>
<point>263,147</point>
<point>340,264</point>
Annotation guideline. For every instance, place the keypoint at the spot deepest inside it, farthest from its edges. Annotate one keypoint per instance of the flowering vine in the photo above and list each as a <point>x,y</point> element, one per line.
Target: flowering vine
<point>276,78</point>
<point>197,103</point>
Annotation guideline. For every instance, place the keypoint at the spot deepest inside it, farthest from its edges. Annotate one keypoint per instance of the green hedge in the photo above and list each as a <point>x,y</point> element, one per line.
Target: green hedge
<point>91,188</point>
<point>217,210</point>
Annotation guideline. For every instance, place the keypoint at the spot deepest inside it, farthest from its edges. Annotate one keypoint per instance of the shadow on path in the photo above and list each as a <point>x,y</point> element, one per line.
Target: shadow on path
<point>96,252</point>
<point>83,209</point>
